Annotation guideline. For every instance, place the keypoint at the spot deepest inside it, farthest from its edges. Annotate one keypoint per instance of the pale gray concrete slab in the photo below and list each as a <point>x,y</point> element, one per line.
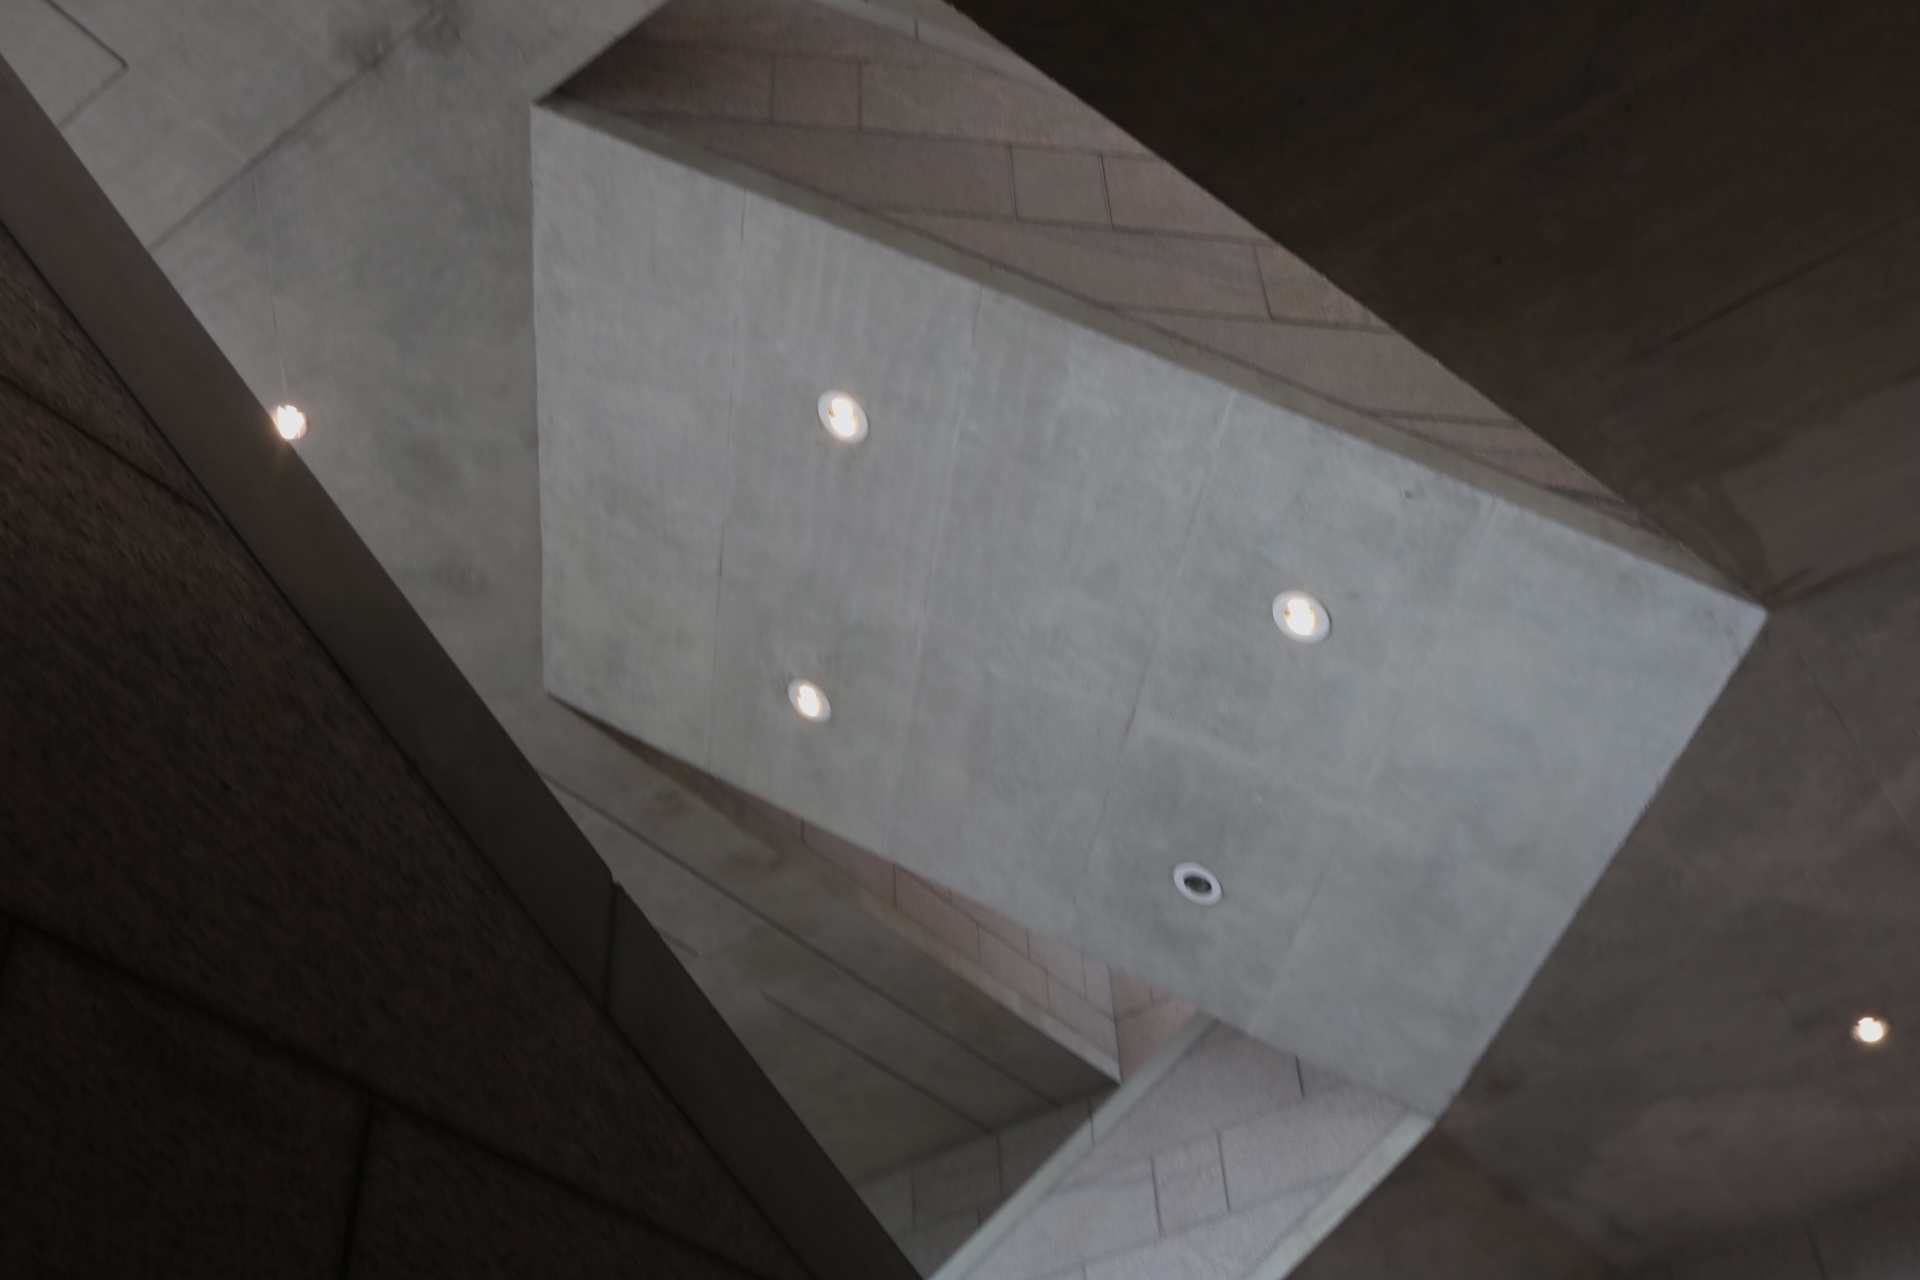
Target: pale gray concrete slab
<point>1225,1249</point>
<point>636,422</point>
<point>1041,609</point>
<point>965,1178</point>
<point>373,264</point>
<point>62,64</point>
<point>1246,1175</point>
<point>1074,1225</point>
<point>1189,1184</point>
<point>1320,1138</point>
<point>1225,1080</point>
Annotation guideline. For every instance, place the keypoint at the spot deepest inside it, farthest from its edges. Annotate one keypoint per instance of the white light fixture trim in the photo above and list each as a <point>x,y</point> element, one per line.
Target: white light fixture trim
<point>843,417</point>
<point>1301,618</point>
<point>1196,883</point>
<point>289,422</point>
<point>1870,1030</point>
<point>810,700</point>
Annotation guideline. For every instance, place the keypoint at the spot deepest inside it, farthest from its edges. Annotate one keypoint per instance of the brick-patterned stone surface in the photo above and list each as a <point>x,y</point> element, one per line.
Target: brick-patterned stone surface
<point>1012,170</point>
<point>1053,984</point>
<point>933,1207</point>
<point>1202,1177</point>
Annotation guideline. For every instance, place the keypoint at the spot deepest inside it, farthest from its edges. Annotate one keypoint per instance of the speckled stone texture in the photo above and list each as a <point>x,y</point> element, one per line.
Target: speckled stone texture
<point>196,795</point>
<point>140,1138</point>
<point>44,354</point>
<point>433,1206</point>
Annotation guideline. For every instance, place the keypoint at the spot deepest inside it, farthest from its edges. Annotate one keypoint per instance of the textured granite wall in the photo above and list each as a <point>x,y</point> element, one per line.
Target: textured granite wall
<point>933,1206</point>
<point>1223,1158</point>
<point>264,1009</point>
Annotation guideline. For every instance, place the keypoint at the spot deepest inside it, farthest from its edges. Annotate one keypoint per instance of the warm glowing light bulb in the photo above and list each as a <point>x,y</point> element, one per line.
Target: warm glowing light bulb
<point>1300,617</point>
<point>1870,1030</point>
<point>843,417</point>
<point>289,422</point>
<point>808,699</point>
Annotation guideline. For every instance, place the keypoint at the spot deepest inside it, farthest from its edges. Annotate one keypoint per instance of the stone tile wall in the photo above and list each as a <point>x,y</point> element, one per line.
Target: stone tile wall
<point>1113,1021</point>
<point>1204,1167</point>
<point>933,1207</point>
<point>961,143</point>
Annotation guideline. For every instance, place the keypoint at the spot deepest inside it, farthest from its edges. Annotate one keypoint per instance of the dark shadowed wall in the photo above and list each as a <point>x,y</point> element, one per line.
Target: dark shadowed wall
<point>264,1007</point>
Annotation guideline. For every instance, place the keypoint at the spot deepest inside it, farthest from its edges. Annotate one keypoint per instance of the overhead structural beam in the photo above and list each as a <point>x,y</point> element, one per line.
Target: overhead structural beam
<point>68,229</point>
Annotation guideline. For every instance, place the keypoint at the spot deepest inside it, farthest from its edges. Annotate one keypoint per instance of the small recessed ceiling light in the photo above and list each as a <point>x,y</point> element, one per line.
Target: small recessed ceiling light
<point>1196,883</point>
<point>843,417</point>
<point>1300,617</point>
<point>289,422</point>
<point>809,700</point>
<point>1870,1030</point>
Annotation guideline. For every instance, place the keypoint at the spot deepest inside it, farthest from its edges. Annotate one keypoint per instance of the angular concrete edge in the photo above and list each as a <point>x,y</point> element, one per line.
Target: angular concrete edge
<point>1639,542</point>
<point>1333,1208</point>
<point>699,1061</point>
<point>74,237</point>
<point>1105,1119</point>
<point>118,295</point>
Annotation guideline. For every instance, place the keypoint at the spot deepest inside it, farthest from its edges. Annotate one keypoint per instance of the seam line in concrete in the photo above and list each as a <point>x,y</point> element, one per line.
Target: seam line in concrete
<point>1331,1209</point>
<point>781,929</point>
<point>299,126</point>
<point>340,1077</point>
<point>873,1062</point>
<point>1122,326</point>
<point>94,441</point>
<point>1104,1120</point>
<point>356,1184</point>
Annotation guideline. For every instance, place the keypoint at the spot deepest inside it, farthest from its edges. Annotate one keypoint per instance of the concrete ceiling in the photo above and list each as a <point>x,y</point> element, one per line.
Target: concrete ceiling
<point>1038,596</point>
<point>1672,241</point>
<point>1678,242</point>
<point>340,191</point>
<point>959,140</point>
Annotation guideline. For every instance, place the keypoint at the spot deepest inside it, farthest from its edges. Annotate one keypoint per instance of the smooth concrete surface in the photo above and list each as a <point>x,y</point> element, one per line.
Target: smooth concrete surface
<point>370,261</point>
<point>964,149</point>
<point>1038,597</point>
<point>1678,241</point>
<point>1225,1158</point>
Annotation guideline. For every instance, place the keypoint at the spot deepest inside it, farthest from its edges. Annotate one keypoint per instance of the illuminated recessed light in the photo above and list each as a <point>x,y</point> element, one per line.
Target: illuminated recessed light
<point>843,417</point>
<point>289,422</point>
<point>1870,1030</point>
<point>1300,617</point>
<point>1196,883</point>
<point>810,700</point>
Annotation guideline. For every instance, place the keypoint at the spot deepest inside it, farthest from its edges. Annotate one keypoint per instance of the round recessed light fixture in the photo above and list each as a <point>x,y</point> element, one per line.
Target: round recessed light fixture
<point>843,417</point>
<point>289,422</point>
<point>1196,883</point>
<point>810,700</point>
<point>1300,617</point>
<point>1870,1030</point>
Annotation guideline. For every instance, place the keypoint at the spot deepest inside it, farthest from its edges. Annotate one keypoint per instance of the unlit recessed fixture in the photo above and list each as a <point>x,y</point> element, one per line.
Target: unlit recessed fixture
<point>810,700</point>
<point>1196,883</point>
<point>1870,1030</point>
<point>1300,617</point>
<point>843,417</point>
<point>289,422</point>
